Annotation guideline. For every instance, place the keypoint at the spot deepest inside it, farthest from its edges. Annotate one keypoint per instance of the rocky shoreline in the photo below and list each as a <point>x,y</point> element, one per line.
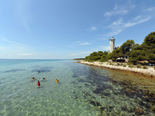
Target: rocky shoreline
<point>150,71</point>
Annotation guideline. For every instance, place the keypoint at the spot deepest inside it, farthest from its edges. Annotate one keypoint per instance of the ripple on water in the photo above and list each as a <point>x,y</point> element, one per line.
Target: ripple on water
<point>83,90</point>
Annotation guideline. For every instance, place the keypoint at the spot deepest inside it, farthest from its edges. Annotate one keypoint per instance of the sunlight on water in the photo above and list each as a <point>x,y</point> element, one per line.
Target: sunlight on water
<point>82,91</point>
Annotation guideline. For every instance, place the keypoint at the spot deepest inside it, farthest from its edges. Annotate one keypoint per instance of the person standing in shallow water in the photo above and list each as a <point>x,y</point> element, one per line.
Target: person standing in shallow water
<point>38,83</point>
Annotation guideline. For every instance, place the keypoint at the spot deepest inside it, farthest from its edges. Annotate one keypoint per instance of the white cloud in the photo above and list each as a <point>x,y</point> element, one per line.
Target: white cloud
<point>119,25</point>
<point>142,20</point>
<point>26,54</point>
<point>78,43</point>
<point>138,17</point>
<point>151,9</point>
<point>120,9</point>
<point>114,32</point>
<point>93,28</point>
<point>116,12</point>
<point>116,24</point>
<point>86,43</point>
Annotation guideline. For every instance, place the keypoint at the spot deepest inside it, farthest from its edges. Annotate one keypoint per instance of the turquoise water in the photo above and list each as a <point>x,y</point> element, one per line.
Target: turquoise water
<point>82,91</point>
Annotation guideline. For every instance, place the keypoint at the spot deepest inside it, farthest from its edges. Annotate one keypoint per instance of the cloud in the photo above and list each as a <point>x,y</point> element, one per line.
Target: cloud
<point>120,25</point>
<point>138,17</point>
<point>151,9</point>
<point>142,20</point>
<point>114,32</point>
<point>117,10</point>
<point>116,24</point>
<point>120,9</point>
<point>92,28</point>
<point>78,43</point>
<point>86,43</point>
<point>26,54</point>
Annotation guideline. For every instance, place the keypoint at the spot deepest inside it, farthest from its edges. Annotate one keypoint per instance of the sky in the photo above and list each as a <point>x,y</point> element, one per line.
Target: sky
<point>67,29</point>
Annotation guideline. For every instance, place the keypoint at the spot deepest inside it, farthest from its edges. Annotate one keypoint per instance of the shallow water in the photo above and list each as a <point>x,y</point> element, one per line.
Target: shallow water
<point>82,91</point>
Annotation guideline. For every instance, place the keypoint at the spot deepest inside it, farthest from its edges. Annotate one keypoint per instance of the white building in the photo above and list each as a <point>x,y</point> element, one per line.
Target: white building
<point>112,44</point>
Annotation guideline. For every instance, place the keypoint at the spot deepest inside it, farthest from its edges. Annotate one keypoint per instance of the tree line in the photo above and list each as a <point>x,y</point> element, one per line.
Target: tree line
<point>135,52</point>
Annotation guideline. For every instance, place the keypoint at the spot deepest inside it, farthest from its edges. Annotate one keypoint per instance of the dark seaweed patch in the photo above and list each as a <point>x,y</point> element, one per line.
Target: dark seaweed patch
<point>43,69</point>
<point>15,70</point>
<point>74,75</point>
<point>94,103</point>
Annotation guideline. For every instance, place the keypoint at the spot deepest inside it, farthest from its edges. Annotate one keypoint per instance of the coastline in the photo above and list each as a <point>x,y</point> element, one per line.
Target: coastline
<point>147,72</point>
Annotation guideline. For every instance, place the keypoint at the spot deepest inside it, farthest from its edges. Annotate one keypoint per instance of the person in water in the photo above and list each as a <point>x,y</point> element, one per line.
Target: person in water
<point>38,83</point>
<point>33,78</point>
<point>44,78</point>
<point>57,80</point>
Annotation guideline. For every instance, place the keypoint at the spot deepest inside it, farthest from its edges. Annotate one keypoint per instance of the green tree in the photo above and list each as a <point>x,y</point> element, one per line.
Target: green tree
<point>104,57</point>
<point>145,51</point>
<point>150,39</point>
<point>127,46</point>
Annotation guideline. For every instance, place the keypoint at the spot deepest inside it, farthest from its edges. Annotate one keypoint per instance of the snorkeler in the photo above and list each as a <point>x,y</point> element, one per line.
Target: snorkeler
<point>38,83</point>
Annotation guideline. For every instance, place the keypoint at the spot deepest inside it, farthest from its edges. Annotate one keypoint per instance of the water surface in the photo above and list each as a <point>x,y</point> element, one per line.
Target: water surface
<point>83,90</point>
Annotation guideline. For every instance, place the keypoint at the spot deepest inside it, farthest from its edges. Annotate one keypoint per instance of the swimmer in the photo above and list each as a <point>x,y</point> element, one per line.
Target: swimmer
<point>38,83</point>
<point>44,79</point>
<point>38,71</point>
<point>57,80</point>
<point>33,78</point>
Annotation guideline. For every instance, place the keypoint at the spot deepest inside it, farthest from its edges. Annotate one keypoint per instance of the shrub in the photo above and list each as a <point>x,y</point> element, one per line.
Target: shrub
<point>131,65</point>
<point>138,66</point>
<point>145,67</point>
<point>124,65</point>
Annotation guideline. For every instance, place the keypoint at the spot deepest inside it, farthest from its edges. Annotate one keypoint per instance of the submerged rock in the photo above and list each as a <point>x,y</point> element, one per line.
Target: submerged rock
<point>139,111</point>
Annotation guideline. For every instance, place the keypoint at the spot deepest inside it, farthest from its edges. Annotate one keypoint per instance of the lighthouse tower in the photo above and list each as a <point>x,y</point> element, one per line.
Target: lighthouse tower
<point>112,44</point>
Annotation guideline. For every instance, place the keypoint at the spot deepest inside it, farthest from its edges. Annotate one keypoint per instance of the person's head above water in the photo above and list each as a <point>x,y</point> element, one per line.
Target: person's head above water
<point>44,78</point>
<point>33,78</point>
<point>57,80</point>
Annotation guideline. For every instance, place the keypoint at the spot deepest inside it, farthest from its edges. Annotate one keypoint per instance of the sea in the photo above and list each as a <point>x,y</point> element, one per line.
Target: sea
<point>82,90</point>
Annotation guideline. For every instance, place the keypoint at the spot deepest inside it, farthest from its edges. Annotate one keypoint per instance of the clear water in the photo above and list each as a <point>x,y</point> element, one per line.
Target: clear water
<point>82,91</point>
